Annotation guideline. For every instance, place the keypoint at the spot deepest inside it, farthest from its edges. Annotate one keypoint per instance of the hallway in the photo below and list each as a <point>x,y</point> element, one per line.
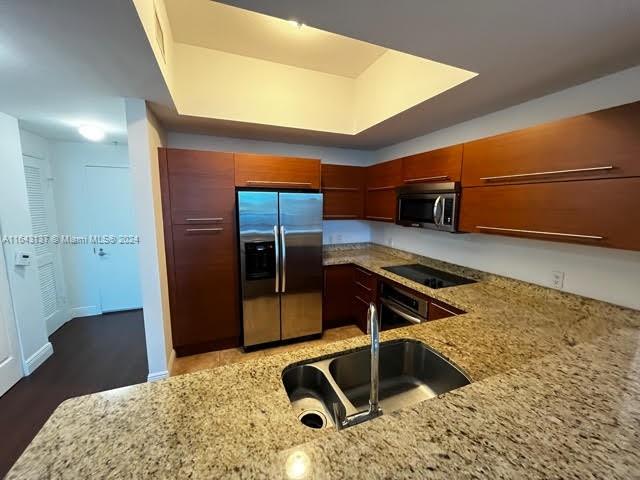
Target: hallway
<point>91,354</point>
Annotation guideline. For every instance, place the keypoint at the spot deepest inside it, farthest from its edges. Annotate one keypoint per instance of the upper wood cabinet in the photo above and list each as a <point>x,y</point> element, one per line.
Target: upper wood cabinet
<point>343,188</point>
<point>442,165</point>
<point>602,144</point>
<point>276,172</point>
<point>201,186</point>
<point>381,182</point>
<point>596,212</point>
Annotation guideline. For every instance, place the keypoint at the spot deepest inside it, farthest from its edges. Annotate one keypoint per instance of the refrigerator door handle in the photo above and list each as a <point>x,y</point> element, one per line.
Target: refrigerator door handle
<point>283,243</point>
<point>277,252</point>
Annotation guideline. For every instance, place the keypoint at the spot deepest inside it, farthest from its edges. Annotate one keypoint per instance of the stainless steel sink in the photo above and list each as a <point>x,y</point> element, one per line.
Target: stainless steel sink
<point>410,372</point>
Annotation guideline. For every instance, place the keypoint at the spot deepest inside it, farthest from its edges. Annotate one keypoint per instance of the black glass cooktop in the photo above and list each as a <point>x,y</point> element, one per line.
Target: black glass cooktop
<point>430,277</point>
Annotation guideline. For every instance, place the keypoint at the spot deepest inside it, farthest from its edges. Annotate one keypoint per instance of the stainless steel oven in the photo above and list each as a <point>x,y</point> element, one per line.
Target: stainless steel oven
<point>399,308</point>
<point>429,205</point>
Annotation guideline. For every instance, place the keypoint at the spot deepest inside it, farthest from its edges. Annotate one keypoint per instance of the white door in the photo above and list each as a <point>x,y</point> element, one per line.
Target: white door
<point>48,259</point>
<point>10,366</point>
<point>110,195</point>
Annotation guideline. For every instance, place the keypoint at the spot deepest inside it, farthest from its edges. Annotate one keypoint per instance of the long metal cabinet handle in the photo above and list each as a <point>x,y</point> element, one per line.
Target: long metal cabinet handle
<point>370,217</point>
<point>426,179</point>
<point>552,172</point>
<point>205,219</point>
<point>340,189</point>
<point>403,314</point>
<point>277,251</point>
<point>283,288</point>
<point>204,229</point>
<point>375,189</point>
<point>436,204</point>
<point>340,216</point>
<point>275,182</point>
<point>538,232</point>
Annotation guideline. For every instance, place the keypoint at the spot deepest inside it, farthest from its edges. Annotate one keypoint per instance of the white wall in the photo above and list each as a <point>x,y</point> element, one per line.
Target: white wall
<point>68,161</point>
<point>605,274</point>
<point>145,136</point>
<point>338,156</point>
<point>15,220</point>
<point>345,231</point>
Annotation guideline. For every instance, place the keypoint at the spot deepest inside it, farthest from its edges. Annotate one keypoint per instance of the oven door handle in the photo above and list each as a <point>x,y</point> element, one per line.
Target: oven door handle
<point>400,311</point>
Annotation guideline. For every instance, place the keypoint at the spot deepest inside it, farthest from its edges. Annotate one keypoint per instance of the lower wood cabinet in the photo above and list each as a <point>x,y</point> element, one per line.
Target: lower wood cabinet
<point>438,310</point>
<point>603,213</point>
<point>338,297</point>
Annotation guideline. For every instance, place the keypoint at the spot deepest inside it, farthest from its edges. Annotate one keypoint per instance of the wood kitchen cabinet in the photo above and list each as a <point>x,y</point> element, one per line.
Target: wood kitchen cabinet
<point>442,165</point>
<point>438,310</point>
<point>595,212</point>
<point>603,144</point>
<point>381,182</point>
<point>198,204</point>
<point>268,171</point>
<point>343,189</point>
<point>365,291</point>
<point>338,297</point>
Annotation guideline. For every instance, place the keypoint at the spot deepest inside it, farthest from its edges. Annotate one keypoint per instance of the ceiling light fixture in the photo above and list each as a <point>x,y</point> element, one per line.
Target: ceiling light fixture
<point>91,132</point>
<point>296,23</point>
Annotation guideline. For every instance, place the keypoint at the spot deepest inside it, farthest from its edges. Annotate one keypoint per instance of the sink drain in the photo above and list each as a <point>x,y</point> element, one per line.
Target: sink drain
<point>313,419</point>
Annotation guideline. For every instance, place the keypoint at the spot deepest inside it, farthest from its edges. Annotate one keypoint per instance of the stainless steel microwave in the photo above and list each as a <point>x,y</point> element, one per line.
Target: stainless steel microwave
<point>429,205</point>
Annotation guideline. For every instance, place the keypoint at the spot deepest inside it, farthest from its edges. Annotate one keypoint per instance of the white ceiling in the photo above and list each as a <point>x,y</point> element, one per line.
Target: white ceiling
<point>218,26</point>
<point>67,62</point>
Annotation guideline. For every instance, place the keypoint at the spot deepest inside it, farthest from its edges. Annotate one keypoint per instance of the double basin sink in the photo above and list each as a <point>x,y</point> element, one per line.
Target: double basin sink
<point>410,372</point>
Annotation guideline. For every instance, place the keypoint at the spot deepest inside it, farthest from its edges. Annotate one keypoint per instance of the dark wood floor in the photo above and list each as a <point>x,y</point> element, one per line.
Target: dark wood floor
<point>91,354</point>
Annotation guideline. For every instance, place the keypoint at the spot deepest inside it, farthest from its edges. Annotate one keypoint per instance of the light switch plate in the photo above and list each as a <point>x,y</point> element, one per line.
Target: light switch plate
<point>557,279</point>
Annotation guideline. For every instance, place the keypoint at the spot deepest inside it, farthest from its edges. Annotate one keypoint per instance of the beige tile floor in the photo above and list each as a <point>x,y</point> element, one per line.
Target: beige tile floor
<point>193,363</point>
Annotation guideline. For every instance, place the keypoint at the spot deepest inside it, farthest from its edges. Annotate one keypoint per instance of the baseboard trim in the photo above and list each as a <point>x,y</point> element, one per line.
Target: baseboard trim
<point>157,376</point>
<point>88,311</point>
<point>38,358</point>
<point>172,358</point>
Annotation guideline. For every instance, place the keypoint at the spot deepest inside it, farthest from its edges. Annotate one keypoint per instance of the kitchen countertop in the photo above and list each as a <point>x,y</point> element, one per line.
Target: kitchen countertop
<point>555,394</point>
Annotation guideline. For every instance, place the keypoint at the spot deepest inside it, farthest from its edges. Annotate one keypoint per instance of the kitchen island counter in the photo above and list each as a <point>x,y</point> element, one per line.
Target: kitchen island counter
<point>555,393</point>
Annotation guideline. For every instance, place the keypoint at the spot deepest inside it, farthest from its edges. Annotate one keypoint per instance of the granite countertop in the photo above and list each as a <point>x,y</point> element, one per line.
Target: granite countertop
<point>555,394</point>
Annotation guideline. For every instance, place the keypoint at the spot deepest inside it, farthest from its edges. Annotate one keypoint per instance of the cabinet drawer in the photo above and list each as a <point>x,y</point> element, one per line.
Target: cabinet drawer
<point>442,165</point>
<point>201,186</point>
<point>603,213</point>
<point>276,172</point>
<point>602,144</point>
<point>380,205</point>
<point>365,278</point>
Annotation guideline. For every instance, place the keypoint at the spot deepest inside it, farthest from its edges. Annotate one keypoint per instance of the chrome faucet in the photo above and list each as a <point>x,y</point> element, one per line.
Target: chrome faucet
<point>374,408</point>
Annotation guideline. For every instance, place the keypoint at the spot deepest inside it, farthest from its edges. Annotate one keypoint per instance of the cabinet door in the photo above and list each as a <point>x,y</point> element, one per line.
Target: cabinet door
<point>201,186</point>
<point>442,165</point>
<point>382,180</point>
<point>360,309</point>
<point>595,212</point>
<point>343,188</point>
<point>338,296</point>
<point>205,308</point>
<point>602,144</point>
<point>381,205</point>
<point>276,172</point>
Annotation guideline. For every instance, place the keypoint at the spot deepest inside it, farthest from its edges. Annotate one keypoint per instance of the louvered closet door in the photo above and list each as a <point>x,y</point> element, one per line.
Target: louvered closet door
<point>48,259</point>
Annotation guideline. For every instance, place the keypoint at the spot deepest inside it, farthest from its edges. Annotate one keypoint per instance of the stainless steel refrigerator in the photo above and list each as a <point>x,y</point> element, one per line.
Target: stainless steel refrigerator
<point>281,265</point>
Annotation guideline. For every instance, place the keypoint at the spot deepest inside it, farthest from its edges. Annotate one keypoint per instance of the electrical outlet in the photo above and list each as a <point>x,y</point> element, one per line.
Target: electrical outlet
<point>557,279</point>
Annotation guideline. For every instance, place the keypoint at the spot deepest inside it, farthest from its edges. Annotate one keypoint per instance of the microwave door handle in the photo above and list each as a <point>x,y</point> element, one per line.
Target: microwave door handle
<point>444,202</point>
<point>436,204</point>
<point>277,252</point>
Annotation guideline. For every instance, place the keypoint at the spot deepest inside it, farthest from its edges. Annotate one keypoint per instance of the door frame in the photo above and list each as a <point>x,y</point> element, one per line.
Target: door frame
<point>7,311</point>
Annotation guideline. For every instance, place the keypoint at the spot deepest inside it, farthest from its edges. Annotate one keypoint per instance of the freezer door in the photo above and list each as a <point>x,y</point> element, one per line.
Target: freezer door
<point>259,266</point>
<point>301,276</point>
